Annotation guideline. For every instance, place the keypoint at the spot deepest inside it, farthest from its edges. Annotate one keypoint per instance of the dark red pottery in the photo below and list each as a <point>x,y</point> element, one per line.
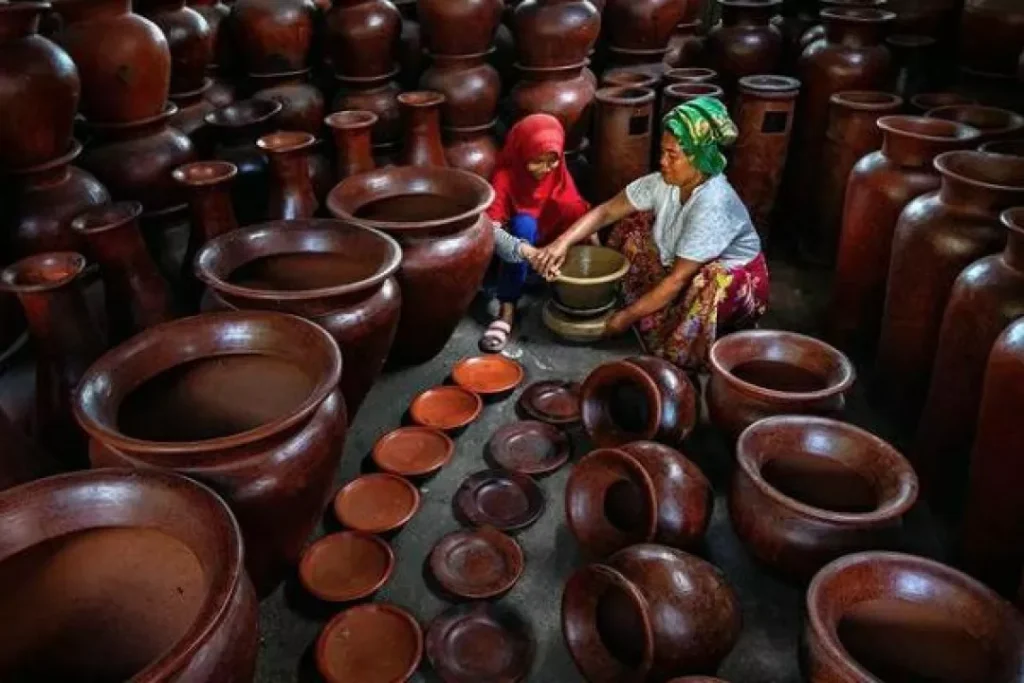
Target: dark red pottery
<point>488,376</point>
<point>480,642</point>
<point>273,35</point>
<point>629,77</point>
<point>413,451</point>
<point>695,74</point>
<point>458,27</point>
<point>923,103</point>
<point>914,58</point>
<point>993,122</point>
<point>291,190</point>
<point>346,566</point>
<point>991,35</point>
<point>623,128</point>
<point>362,37</point>
<point>303,105</point>
<point>421,115</point>
<point>352,142</point>
<point>529,447</point>
<point>564,92</point>
<point>470,85</point>
<point>390,633</point>
<point>378,95</point>
<point>191,115</point>
<point>555,402</point>
<point>189,38</point>
<point>376,503</point>
<point>552,33</point>
<point>447,408</point>
<point>504,500</point>
<point>411,57</point>
<point>686,46</point>
<point>22,461</point>
<point>817,31</point>
<point>477,564</point>
<point>744,43</point>
<point>1013,148</point>
<point>641,24</point>
<point>675,94</point>
<point>208,186</point>
<point>472,149</point>
<point>216,13</point>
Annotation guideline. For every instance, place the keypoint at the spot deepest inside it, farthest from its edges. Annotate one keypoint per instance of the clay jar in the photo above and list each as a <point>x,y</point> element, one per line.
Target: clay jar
<point>991,35</point>
<point>191,115</point>
<point>189,37</point>
<point>352,142</point>
<point>273,36</point>
<point>122,85</point>
<point>472,149</point>
<point>948,229</point>
<point>216,12</point>
<point>458,27</point>
<point>246,401</point>
<point>636,399</point>
<point>550,33</point>
<point>880,186</point>
<point>647,613</point>
<point>745,43</point>
<point>303,104</point>
<point>362,37</point>
<point>338,275</point>
<point>761,373</point>
<point>421,112</point>
<point>622,138</point>
<point>563,92</point>
<point>675,94</point>
<point>435,214</point>
<point>291,190</point>
<point>470,87</point>
<point>39,90</point>
<point>686,46</point>
<point>807,490</point>
<point>118,575</point>
<point>993,122</point>
<point>378,95</point>
<point>644,25</point>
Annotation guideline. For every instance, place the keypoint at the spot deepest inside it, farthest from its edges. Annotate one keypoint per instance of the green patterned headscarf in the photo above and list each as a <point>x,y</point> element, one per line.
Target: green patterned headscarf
<point>701,126</point>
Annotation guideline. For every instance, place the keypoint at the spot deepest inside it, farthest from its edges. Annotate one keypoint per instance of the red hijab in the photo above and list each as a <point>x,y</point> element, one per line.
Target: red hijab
<point>553,200</point>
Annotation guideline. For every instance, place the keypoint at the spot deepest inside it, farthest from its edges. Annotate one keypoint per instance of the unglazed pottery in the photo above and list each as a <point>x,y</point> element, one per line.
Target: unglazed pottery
<point>376,503</point>
<point>346,566</point>
<point>189,38</point>
<point>480,642</point>
<point>291,195</point>
<point>744,43</point>
<point>472,149</point>
<point>447,408</point>
<point>492,376</point>
<point>528,447</point>
<point>303,105</point>
<point>555,402</point>
<point>686,46</point>
<point>208,186</point>
<point>413,451</point>
<point>470,86</point>
<point>675,94</point>
<point>623,129</point>
<point>341,649</point>
<point>362,37</point>
<point>993,122</point>
<point>641,25</point>
<point>563,91</point>
<point>476,564</point>
<point>504,500</point>
<point>378,95</point>
<point>273,35</point>
<point>589,278</point>
<point>551,33</point>
<point>421,116</point>
<point>458,27</point>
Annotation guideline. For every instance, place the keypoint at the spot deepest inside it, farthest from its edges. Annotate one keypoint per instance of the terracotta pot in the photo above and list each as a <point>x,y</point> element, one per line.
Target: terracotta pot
<point>991,35</point>
<point>638,399</point>
<point>627,77</point>
<point>216,13</point>
<point>761,373</point>
<point>335,274</point>
<point>691,74</point>
<point>923,103</point>
<point>189,37</point>
<point>377,503</point>
<point>553,33</point>
<point>291,190</point>
<point>151,554</point>
<point>562,92</point>
<point>435,214</point>
<point>623,128</point>
<point>993,122</point>
<point>948,229</point>
<point>458,27</point>
<point>880,186</point>
<point>470,87</point>
<point>675,94</point>
<point>421,113</point>
<point>246,401</point>
<point>222,92</point>
<point>875,615</point>
<point>352,143</point>
<point>745,43</point>
<point>303,105</point>
<point>380,96</point>
<point>914,58</point>
<point>643,25</point>
<point>472,149</point>
<point>273,36</point>
<point>362,37</point>
<point>341,648</point>
<point>39,90</point>
<point>686,46</point>
<point>816,32</point>
<point>191,115</point>
<point>809,489</point>
<point>649,612</point>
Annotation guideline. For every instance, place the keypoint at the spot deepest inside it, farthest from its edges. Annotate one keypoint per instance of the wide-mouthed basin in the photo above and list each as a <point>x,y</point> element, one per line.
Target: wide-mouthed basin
<point>589,277</point>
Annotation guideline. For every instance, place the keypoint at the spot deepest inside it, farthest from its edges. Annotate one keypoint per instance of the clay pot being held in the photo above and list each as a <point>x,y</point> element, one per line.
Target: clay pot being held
<point>761,373</point>
<point>189,37</point>
<point>421,111</point>
<point>362,37</point>
<point>993,122</point>
<point>647,613</point>
<point>291,190</point>
<point>807,490</point>
<point>991,35</point>
<point>643,25</point>
<point>39,90</point>
<point>352,142</point>
<point>472,149</point>
<point>246,401</point>
<point>562,92</point>
<point>378,95</point>
<point>458,27</point>
<point>336,274</point>
<point>623,126</point>
<point>302,102</point>
<point>745,43</point>
<point>686,46</point>
<point>122,85</point>
<point>470,86</point>
<point>552,33</point>
<point>887,616</point>
<point>168,549</point>
<point>273,36</point>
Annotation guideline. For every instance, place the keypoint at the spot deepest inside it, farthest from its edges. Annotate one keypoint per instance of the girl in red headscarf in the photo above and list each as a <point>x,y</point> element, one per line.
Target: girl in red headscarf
<point>535,202</point>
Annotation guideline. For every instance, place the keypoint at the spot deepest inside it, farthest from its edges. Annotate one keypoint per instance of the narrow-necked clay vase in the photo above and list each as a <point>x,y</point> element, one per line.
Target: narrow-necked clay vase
<point>116,575</point>
<point>421,115</point>
<point>458,27</point>
<point>993,122</point>
<point>564,92</point>
<point>623,129</point>
<point>554,32</point>
<point>641,24</point>
<point>246,401</point>
<point>291,189</point>
<point>362,37</point>
<point>470,86</point>
<point>744,43</point>
<point>273,35</point>
<point>189,38</point>
<point>352,141</point>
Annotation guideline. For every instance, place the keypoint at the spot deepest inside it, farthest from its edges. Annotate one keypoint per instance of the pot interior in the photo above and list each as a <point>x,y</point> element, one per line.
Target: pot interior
<point>822,482</point>
<point>778,375</point>
<point>590,262</point>
<point>626,406</point>
<point>301,271</point>
<point>626,507</point>
<point>620,626</point>
<point>415,207</point>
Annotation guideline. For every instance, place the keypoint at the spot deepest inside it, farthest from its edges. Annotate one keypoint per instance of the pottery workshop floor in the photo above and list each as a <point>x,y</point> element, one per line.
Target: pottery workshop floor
<point>767,651</point>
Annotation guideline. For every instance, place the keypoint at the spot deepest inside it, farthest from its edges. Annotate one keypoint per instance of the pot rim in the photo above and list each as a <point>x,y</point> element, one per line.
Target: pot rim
<point>614,276</point>
<point>619,370</point>
<point>775,84</point>
<point>410,621</point>
<point>402,481</point>
<point>689,88</point>
<point>169,110</point>
<point>866,100</point>
<point>501,541</point>
<point>74,149</point>
<point>426,394</point>
<point>941,164</point>
<point>383,441</point>
<point>921,100</point>
<point>305,566</point>
<point>110,216</point>
<point>1014,120</point>
<point>273,107</point>
<point>629,95</point>
<point>74,262</point>
<point>958,132</point>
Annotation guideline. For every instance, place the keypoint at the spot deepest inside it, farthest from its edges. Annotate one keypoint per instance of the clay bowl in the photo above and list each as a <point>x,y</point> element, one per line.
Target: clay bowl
<point>810,489</point>
<point>447,408</point>
<point>492,377</point>
<point>477,564</point>
<point>343,650</point>
<point>878,616</point>
<point>504,500</point>
<point>993,122</point>
<point>480,643</point>
<point>346,566</point>
<point>760,373</point>
<point>529,447</point>
<point>117,575</point>
<point>556,402</point>
<point>413,451</point>
<point>589,277</point>
<point>376,503</point>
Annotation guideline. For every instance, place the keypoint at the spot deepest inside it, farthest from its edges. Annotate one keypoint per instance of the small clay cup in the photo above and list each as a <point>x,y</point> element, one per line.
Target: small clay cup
<point>390,633</point>
<point>477,564</point>
<point>413,451</point>
<point>447,408</point>
<point>376,503</point>
<point>528,447</point>
<point>346,566</point>
<point>492,377</point>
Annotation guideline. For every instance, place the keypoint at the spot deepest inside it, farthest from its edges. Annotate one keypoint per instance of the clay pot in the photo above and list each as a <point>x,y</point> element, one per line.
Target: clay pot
<point>686,46</point>
<point>493,377</point>
<point>675,94</point>
<point>817,32</point>
<point>39,90</point>
<point>470,87</point>
<point>291,189</point>
<point>150,554</point>
<point>994,123</point>
<point>691,74</point>
<point>342,646</point>
<point>362,37</point>
<point>745,43</point>
<point>876,615</point>
<point>303,105</point>
<point>647,613</point>
<point>761,373</point>
<point>623,128</point>
<point>445,408</point>
<point>216,13</point>
<point>476,564</point>
<point>880,186</point>
<point>589,278</point>
<point>948,229</point>
<point>458,27</point>
<point>638,399</point>
<point>191,115</point>
<point>273,36</point>
<point>809,489</point>
<point>562,92</point>
<point>923,103</point>
<point>335,274</point>
<point>553,33</point>
<point>626,77</point>
<point>472,149</point>
<point>421,113</point>
<point>380,96</point>
<point>644,25</point>
<point>189,37</point>
<point>352,143</point>
<point>208,186</point>
<point>991,35</point>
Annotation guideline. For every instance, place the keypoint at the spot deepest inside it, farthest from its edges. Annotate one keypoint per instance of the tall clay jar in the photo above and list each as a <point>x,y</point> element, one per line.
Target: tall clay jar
<point>643,24</point>
<point>458,27</point>
<point>880,186</point>
<point>686,46</point>
<point>352,142</point>
<point>291,189</point>
<point>189,38</point>
<point>554,32</point>
<point>302,103</point>
<point>947,230</point>
<point>273,36</point>
<point>421,111</point>
<point>470,85</point>
<point>622,138</point>
<point>564,92</point>
<point>745,43</point>
<point>675,94</point>
<point>216,13</point>
<point>991,35</point>
<point>362,37</point>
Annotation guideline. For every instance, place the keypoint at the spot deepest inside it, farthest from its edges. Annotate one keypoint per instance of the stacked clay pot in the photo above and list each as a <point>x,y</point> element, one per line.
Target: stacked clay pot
<point>745,43</point>
<point>991,36</point>
<point>638,31</point>
<point>623,136</point>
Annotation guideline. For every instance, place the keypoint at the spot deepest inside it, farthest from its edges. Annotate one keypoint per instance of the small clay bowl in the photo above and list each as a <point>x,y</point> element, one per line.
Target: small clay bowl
<point>480,642</point>
<point>376,503</point>
<point>448,408</point>
<point>374,643</point>
<point>556,402</point>
<point>477,564</point>
<point>413,451</point>
<point>492,377</point>
<point>346,566</point>
<point>528,447</point>
<point>504,500</point>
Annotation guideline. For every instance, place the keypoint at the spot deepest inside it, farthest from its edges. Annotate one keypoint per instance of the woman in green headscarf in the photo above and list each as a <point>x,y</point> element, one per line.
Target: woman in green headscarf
<point>696,267</point>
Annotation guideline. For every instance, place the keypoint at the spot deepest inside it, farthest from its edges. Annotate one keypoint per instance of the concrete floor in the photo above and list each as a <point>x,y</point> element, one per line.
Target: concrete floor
<point>772,609</point>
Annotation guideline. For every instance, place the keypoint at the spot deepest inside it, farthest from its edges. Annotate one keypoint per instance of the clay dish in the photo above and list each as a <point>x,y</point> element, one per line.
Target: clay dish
<point>346,566</point>
<point>376,503</point>
<point>589,277</point>
<point>448,408</point>
<point>477,564</point>
<point>504,500</point>
<point>375,643</point>
<point>480,643</point>
<point>556,402</point>
<point>413,451</point>
<point>529,447</point>
<point>492,376</point>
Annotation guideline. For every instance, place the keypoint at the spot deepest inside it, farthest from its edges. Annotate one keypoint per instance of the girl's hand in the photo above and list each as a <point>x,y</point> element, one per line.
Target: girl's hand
<point>550,260</point>
<point>618,324</point>
<point>530,254</point>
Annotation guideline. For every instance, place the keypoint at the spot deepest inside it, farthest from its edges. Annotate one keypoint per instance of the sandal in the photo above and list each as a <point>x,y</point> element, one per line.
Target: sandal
<point>496,337</point>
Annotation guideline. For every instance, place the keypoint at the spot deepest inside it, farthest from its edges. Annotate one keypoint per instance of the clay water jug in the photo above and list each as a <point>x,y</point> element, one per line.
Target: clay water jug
<point>458,27</point>
<point>189,38</point>
<point>421,111</point>
<point>362,37</point>
<point>623,128</point>
<point>552,33</point>
<point>744,43</point>
<point>352,141</point>
<point>208,188</point>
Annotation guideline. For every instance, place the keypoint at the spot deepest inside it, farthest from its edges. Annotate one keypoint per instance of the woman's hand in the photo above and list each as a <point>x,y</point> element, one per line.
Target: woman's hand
<point>549,260</point>
<point>530,254</point>
<point>618,324</point>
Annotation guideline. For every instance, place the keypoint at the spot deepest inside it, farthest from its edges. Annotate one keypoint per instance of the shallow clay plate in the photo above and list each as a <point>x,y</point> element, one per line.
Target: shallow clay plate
<point>477,563</point>
<point>376,503</point>
<point>490,376</point>
<point>413,451</point>
<point>375,643</point>
<point>556,402</point>
<point>529,447</point>
<point>347,566</point>
<point>448,408</point>
<point>504,500</point>
<point>480,643</point>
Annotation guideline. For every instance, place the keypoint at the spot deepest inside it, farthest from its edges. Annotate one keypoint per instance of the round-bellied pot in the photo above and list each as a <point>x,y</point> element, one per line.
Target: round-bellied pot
<point>302,104</point>
<point>273,36</point>
<point>435,214</point>
<point>641,24</point>
<point>362,37</point>
<point>991,35</point>
<point>246,401</point>
<point>378,95</point>
<point>191,115</point>
<point>470,86</point>
<point>458,27</point>
<point>117,574</point>
<point>686,46</point>
<point>760,373</point>
<point>744,43</point>
<point>623,128</point>
<point>552,33</point>
<point>649,612</point>
<point>189,38</point>
<point>472,149</point>
<point>564,92</point>
<point>216,13</point>
<point>993,122</point>
<point>810,489</point>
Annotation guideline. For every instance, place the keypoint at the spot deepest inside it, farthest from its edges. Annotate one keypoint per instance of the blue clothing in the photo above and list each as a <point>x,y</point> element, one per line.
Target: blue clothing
<point>512,276</point>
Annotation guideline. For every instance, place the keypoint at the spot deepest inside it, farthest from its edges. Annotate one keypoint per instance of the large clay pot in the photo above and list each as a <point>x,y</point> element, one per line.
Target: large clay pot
<point>745,43</point>
<point>879,187</point>
<point>435,214</point>
<point>686,46</point>
<point>352,142</point>
<point>993,122</point>
<point>563,92</point>
<point>948,230</point>
<point>421,113</point>
<point>273,36</point>
<point>470,86</point>
<point>362,37</point>
<point>472,149</point>
<point>119,575</point>
<point>39,90</point>
<point>675,94</point>
<point>216,13</point>
<point>761,373</point>
<point>887,616</point>
<point>245,401</point>
<point>991,35</point>
<point>641,24</point>
<point>302,103</point>
<point>410,49</point>
<point>642,398</point>
<point>647,613</point>
<point>807,490</point>
<point>291,193</point>
<point>380,96</point>
<point>335,274</point>
<point>189,37</point>
<point>552,33</point>
<point>458,27</point>
<point>623,129</point>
